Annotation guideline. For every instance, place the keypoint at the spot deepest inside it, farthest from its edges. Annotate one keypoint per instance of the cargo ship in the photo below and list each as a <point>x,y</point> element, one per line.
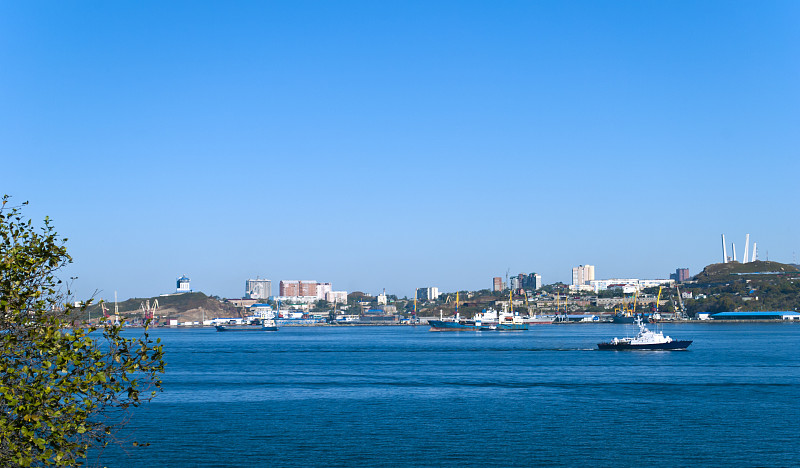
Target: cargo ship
<point>266,325</point>
<point>460,325</point>
<point>484,321</point>
<point>511,323</point>
<point>645,339</point>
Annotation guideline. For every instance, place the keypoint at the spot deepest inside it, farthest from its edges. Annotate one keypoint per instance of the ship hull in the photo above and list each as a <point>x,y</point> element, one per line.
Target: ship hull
<point>625,318</point>
<point>241,328</point>
<point>512,326</point>
<point>671,346</point>
<point>444,325</point>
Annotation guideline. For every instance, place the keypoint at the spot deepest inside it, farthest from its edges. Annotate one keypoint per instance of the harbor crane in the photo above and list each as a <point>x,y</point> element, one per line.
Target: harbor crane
<point>149,311</point>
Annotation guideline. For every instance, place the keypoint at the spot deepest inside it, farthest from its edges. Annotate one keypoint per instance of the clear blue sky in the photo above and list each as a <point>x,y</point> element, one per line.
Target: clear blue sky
<point>400,144</point>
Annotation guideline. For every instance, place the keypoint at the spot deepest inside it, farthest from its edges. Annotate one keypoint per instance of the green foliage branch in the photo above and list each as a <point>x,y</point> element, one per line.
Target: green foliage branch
<point>64,387</point>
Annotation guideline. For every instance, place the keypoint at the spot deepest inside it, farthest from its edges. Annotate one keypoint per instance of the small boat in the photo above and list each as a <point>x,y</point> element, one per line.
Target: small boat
<point>266,325</point>
<point>645,339</point>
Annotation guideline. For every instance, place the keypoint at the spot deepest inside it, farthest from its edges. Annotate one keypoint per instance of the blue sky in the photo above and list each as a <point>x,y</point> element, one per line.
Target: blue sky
<point>400,144</point>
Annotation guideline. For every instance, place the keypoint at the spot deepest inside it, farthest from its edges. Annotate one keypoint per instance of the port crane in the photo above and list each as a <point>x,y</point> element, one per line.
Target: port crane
<point>681,309</point>
<point>149,311</point>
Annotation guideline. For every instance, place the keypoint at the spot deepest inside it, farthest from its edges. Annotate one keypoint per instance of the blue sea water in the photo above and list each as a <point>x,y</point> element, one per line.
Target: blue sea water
<point>403,397</point>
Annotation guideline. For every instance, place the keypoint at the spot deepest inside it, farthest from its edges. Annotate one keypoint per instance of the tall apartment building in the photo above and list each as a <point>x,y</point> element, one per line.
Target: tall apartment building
<point>299,288</point>
<point>681,274</point>
<point>323,289</point>
<point>532,281</point>
<point>308,288</point>
<point>289,288</point>
<point>311,290</point>
<point>497,283</point>
<point>536,280</point>
<point>582,275</point>
<point>427,294</point>
<point>258,289</point>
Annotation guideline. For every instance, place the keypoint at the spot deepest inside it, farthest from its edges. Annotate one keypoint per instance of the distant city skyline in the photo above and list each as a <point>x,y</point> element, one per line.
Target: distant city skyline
<point>378,145</point>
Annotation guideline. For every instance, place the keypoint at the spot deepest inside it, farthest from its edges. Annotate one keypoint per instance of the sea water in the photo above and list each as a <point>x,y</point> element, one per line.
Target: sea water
<point>404,396</point>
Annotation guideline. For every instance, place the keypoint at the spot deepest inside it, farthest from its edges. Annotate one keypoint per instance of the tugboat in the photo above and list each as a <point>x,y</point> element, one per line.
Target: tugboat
<point>646,339</point>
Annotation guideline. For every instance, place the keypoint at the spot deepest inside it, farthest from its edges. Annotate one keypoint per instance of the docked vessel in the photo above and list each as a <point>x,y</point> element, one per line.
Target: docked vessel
<point>621,318</point>
<point>484,321</point>
<point>629,315</point>
<point>645,339</point>
<point>511,323</point>
<point>538,319</point>
<point>508,320</point>
<point>266,325</point>
<point>459,325</point>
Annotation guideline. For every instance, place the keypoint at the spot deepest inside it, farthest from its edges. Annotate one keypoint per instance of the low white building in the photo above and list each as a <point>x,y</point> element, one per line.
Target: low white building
<point>629,285</point>
<point>295,299</point>
<point>262,311</point>
<point>339,297</point>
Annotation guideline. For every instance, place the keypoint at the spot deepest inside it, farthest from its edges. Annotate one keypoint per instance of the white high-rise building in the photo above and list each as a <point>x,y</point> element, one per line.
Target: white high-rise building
<point>323,289</point>
<point>428,294</point>
<point>258,289</point>
<point>582,275</point>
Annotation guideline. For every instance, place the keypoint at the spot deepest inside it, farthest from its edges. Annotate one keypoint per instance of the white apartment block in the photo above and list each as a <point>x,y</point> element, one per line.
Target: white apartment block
<point>582,275</point>
<point>427,294</point>
<point>258,288</point>
<point>339,297</point>
<point>323,289</point>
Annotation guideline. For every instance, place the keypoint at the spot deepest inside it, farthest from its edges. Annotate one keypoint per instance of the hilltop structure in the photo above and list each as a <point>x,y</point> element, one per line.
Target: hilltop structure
<point>726,258</point>
<point>183,285</point>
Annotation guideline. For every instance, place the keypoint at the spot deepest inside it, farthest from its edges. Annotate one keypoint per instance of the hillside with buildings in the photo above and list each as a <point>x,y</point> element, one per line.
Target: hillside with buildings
<point>183,307</point>
<point>740,287</point>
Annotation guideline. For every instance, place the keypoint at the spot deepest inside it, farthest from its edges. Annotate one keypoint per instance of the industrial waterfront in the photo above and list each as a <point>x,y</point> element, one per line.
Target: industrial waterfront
<point>402,396</point>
